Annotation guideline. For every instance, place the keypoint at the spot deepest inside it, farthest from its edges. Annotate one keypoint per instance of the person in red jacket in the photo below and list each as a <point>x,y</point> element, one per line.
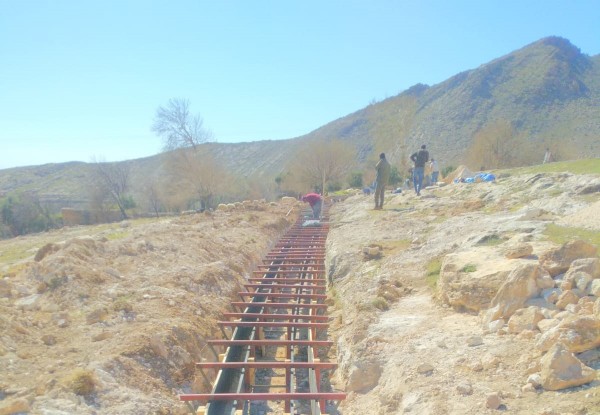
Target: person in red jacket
<point>315,201</point>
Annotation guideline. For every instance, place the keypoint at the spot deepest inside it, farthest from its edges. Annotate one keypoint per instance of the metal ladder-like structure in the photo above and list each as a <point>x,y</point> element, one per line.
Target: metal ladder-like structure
<point>276,331</point>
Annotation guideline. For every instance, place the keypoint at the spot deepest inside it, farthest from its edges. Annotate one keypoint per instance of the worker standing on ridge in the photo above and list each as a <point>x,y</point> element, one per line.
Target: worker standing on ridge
<point>316,202</point>
<point>383,176</point>
<point>419,158</point>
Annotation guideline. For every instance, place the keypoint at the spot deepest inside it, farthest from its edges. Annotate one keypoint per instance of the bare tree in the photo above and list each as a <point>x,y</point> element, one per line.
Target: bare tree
<point>322,162</point>
<point>177,127</point>
<point>198,173</point>
<point>495,145</point>
<point>112,180</point>
<point>153,196</point>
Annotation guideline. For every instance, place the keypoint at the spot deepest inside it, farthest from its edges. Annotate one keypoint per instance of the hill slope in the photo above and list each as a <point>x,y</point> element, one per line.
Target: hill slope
<point>549,91</point>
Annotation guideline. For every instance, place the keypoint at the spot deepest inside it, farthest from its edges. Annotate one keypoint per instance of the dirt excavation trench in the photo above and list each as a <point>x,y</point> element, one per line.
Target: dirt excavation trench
<point>455,302</point>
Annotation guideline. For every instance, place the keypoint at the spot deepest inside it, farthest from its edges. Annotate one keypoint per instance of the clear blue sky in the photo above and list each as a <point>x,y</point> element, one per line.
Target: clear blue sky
<point>83,78</point>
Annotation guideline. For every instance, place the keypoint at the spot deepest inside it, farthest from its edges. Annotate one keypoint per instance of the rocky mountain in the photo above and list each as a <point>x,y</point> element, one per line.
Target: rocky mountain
<point>548,91</point>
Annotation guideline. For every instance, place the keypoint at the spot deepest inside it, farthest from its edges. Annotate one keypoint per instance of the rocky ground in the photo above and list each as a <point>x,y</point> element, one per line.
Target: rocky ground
<point>407,343</point>
<point>455,302</point>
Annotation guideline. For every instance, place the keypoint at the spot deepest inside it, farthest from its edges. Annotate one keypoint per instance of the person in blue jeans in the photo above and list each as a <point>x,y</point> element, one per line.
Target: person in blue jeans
<point>419,158</point>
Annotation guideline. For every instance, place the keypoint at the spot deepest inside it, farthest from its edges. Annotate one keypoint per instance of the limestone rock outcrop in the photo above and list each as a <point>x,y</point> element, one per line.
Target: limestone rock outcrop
<point>561,369</point>
<point>559,260</point>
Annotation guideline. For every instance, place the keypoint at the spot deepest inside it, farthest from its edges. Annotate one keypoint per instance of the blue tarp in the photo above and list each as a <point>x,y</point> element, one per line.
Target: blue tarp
<point>483,177</point>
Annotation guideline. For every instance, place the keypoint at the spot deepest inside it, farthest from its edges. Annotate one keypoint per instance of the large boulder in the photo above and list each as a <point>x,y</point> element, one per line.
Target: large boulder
<point>470,280</point>
<point>520,285</point>
<point>578,334</point>
<point>566,298</point>
<point>525,319</point>
<point>363,376</point>
<point>517,250</point>
<point>558,260</point>
<point>583,268</point>
<point>561,369</point>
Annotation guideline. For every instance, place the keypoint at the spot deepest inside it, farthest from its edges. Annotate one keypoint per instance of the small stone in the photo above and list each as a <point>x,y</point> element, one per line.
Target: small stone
<point>477,366</point>
<point>464,388</point>
<point>492,401</point>
<point>101,336</point>
<point>424,368</point>
<point>49,340</point>
<point>528,388</point>
<point>490,361</point>
<point>62,323</point>
<point>474,341</point>
<point>535,379</point>
<point>496,325</point>
<point>573,308</point>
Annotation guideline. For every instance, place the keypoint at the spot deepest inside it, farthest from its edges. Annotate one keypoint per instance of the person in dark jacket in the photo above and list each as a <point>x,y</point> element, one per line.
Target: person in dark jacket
<point>419,158</point>
<point>383,176</point>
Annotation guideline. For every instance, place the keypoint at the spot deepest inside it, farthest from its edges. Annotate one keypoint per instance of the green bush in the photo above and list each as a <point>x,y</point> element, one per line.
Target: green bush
<point>22,214</point>
<point>356,180</point>
<point>469,268</point>
<point>395,176</point>
<point>380,303</point>
<point>82,382</point>
<point>333,187</point>
<point>447,170</point>
<point>433,272</point>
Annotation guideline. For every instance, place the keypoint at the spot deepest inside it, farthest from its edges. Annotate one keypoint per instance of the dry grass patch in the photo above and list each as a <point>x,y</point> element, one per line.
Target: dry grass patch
<point>82,382</point>
<point>562,234</point>
<point>393,246</point>
<point>433,272</point>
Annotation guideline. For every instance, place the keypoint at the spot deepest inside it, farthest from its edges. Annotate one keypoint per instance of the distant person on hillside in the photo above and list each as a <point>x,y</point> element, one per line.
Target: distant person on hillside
<point>316,202</point>
<point>419,158</point>
<point>383,176</point>
<point>548,156</point>
<point>435,171</point>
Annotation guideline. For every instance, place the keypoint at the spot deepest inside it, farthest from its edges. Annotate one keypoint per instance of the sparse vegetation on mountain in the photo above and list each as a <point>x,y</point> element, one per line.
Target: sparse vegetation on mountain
<point>544,95</point>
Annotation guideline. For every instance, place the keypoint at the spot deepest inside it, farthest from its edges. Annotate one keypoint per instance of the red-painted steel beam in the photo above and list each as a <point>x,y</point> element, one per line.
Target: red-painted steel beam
<point>306,268</point>
<point>311,317</point>
<point>290,271</point>
<point>299,343</point>
<point>292,261</point>
<point>245,304</point>
<point>330,396</point>
<point>266,365</point>
<point>276,284</point>
<point>315,281</point>
<point>272,324</point>
<point>283,295</point>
